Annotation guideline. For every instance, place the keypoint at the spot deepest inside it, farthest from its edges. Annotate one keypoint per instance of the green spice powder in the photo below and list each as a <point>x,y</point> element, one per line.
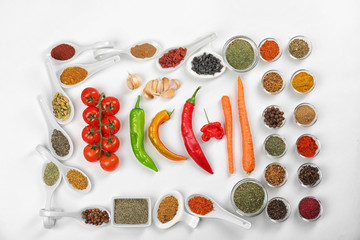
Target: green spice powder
<point>51,174</point>
<point>131,211</point>
<point>240,54</point>
<point>275,146</point>
<point>249,197</point>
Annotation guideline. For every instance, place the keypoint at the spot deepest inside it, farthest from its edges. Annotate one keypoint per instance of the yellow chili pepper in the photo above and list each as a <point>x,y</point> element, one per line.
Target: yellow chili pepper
<point>155,139</point>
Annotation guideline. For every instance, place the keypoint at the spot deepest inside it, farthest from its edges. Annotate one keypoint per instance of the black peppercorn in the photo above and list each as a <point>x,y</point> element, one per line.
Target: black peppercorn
<point>206,64</point>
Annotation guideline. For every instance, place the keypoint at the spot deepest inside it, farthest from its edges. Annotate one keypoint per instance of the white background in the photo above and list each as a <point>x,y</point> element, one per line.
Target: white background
<point>28,28</point>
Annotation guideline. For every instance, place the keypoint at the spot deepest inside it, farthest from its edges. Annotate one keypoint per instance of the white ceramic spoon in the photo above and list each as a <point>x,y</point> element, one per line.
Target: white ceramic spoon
<point>190,49</point>
<point>91,68</point>
<point>219,213</point>
<point>56,88</point>
<point>75,215</point>
<point>45,153</point>
<point>52,124</point>
<point>80,49</point>
<point>106,53</point>
<point>181,214</point>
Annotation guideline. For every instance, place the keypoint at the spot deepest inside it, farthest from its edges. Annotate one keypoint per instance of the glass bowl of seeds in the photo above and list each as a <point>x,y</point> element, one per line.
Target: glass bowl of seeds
<point>308,146</point>
<point>275,146</point>
<point>299,47</point>
<point>310,209</point>
<point>309,175</point>
<point>305,115</point>
<point>278,209</point>
<point>275,175</point>
<point>302,81</point>
<point>272,82</point>
<point>269,50</point>
<point>273,117</point>
<point>240,54</point>
<point>249,197</point>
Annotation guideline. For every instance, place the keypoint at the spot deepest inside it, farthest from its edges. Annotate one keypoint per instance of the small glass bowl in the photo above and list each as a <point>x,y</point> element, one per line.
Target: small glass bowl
<point>314,219</point>
<point>302,38</point>
<point>313,121</point>
<point>270,39</point>
<point>287,206</point>
<point>296,73</point>
<point>262,82</point>
<point>255,48</point>
<point>317,143</point>
<point>263,116</point>
<point>286,175</point>
<point>237,210</point>
<point>312,165</point>
<point>268,154</point>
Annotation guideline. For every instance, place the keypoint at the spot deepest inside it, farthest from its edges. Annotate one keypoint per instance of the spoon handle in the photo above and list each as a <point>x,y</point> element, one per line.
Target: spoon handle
<point>49,117</point>
<point>190,220</point>
<point>227,216</point>
<point>102,54</point>
<point>201,42</point>
<point>96,67</point>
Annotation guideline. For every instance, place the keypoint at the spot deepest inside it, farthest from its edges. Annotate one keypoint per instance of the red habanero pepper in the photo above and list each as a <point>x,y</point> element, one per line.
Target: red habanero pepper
<point>191,144</point>
<point>211,129</point>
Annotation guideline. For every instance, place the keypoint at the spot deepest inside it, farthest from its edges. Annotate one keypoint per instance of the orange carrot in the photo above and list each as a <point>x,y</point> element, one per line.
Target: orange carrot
<point>247,143</point>
<point>226,105</point>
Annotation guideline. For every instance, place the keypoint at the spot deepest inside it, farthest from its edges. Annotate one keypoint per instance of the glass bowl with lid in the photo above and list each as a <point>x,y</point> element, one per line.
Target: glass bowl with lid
<point>276,57</point>
<point>303,38</point>
<point>288,208</point>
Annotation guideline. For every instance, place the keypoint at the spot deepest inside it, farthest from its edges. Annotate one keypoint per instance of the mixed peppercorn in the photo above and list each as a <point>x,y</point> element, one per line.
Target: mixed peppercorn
<point>95,216</point>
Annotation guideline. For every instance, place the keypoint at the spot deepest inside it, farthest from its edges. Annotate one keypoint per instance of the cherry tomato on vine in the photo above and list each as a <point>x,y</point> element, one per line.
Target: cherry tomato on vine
<point>90,96</point>
<point>92,154</point>
<point>110,106</point>
<point>110,145</point>
<point>111,125</point>
<point>91,115</point>
<point>91,134</point>
<point>109,163</point>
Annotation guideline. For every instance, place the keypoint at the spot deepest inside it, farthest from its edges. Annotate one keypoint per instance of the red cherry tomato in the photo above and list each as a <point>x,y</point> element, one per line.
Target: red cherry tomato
<point>91,115</point>
<point>90,96</point>
<point>111,125</point>
<point>110,145</point>
<point>92,154</point>
<point>91,134</point>
<point>110,106</point>
<point>109,163</point>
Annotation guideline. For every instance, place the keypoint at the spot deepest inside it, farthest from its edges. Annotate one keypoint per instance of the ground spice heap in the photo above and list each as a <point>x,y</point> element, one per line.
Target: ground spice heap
<point>305,114</point>
<point>269,50</point>
<point>206,64</point>
<point>309,175</point>
<point>277,209</point>
<point>299,48</point>
<point>240,54</point>
<point>60,143</point>
<point>73,75</point>
<point>131,211</point>
<point>275,146</point>
<point>303,82</point>
<point>51,174</point>
<point>200,205</point>
<point>145,50</point>
<point>275,174</point>
<point>172,58</point>
<point>77,179</point>
<point>61,106</point>
<point>168,208</point>
<point>307,146</point>
<point>272,82</point>
<point>273,117</point>
<point>249,197</point>
<point>95,216</point>
<point>63,52</point>
<point>309,208</point>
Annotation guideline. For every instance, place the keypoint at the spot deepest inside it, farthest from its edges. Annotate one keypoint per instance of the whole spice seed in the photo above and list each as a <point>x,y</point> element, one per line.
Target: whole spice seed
<point>51,174</point>
<point>277,209</point>
<point>309,208</point>
<point>95,216</point>
<point>275,174</point>
<point>145,50</point>
<point>305,114</point>
<point>309,175</point>
<point>172,58</point>
<point>275,146</point>
<point>77,179</point>
<point>61,106</point>
<point>272,82</point>
<point>131,211</point>
<point>200,205</point>
<point>73,75</point>
<point>240,54</point>
<point>307,146</point>
<point>168,208</point>
<point>60,143</point>
<point>269,50</point>
<point>303,82</point>
<point>63,52</point>
<point>206,64</point>
<point>299,48</point>
<point>249,197</point>
<point>273,117</point>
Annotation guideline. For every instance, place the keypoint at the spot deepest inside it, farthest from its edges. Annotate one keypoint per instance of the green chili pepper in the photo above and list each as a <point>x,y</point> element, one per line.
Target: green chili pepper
<point>137,122</point>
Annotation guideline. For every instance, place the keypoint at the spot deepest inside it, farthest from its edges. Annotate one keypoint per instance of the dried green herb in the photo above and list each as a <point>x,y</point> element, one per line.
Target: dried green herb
<point>131,211</point>
<point>249,197</point>
<point>240,54</point>
<point>275,146</point>
<point>51,174</point>
<point>60,143</point>
<point>299,48</point>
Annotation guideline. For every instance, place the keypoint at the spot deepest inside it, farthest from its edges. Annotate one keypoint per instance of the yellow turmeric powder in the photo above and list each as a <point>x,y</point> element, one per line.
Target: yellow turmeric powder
<point>303,82</point>
<point>73,75</point>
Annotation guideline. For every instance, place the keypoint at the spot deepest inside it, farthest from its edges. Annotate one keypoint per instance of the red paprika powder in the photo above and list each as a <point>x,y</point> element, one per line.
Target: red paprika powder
<point>269,50</point>
<point>63,52</point>
<point>309,208</point>
<point>307,146</point>
<point>173,57</point>
<point>200,205</point>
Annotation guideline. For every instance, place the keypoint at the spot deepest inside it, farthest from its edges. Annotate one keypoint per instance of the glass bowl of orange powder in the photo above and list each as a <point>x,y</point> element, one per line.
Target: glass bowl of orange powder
<point>269,50</point>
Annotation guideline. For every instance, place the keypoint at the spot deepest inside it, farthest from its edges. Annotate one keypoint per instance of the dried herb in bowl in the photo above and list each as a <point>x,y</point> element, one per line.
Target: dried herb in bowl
<point>131,211</point>
<point>240,54</point>
<point>249,197</point>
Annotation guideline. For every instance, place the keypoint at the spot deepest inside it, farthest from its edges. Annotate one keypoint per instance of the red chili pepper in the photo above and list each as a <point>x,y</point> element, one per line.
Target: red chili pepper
<point>211,129</point>
<point>191,144</point>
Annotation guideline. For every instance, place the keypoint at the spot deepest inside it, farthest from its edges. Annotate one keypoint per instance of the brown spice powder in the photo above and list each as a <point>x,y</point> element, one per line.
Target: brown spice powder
<point>73,75</point>
<point>77,179</point>
<point>145,50</point>
<point>167,209</point>
<point>305,114</point>
<point>275,175</point>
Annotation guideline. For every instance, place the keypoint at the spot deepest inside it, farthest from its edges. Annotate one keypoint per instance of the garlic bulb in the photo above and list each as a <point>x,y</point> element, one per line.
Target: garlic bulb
<point>133,81</point>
